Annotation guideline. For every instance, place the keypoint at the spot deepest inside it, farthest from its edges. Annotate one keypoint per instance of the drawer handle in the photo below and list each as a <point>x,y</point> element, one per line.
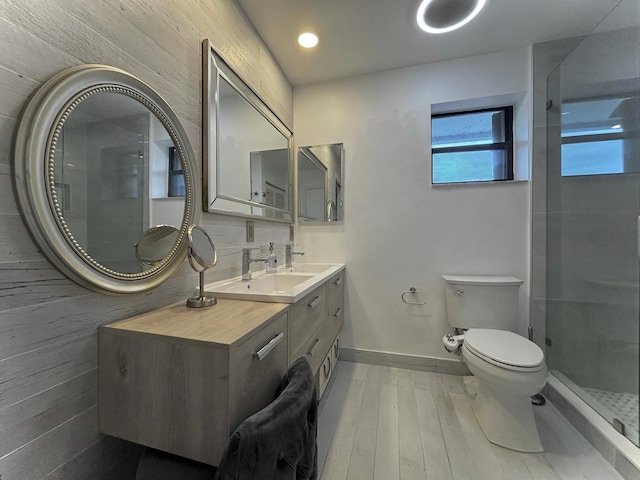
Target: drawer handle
<point>338,312</point>
<point>324,368</point>
<point>313,347</point>
<point>264,351</point>
<point>314,303</point>
<point>338,282</point>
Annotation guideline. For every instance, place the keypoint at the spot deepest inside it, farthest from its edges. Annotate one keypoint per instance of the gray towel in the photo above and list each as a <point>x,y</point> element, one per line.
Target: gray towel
<point>278,442</point>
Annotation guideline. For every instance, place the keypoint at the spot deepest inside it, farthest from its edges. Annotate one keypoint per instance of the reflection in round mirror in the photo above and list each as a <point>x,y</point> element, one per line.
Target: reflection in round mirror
<point>202,255</point>
<point>116,163</point>
<point>110,166</point>
<point>155,244</point>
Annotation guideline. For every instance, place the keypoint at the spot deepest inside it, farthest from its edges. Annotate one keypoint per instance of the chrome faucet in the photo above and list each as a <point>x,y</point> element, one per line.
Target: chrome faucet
<point>288,255</point>
<point>246,263</point>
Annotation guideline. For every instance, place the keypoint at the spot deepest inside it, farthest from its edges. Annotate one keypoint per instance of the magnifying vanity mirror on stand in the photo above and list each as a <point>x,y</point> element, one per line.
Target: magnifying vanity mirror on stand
<point>103,168</point>
<point>155,243</point>
<point>202,256</point>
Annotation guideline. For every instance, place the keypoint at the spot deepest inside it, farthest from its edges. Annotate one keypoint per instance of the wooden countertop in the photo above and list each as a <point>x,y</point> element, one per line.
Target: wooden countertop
<point>227,323</point>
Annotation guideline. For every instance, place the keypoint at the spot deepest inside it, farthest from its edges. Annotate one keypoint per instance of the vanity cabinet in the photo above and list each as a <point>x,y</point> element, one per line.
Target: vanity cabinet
<point>181,380</point>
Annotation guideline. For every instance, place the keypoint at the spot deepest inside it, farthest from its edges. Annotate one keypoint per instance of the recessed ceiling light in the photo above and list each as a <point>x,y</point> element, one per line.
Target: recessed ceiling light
<point>617,126</point>
<point>441,16</point>
<point>308,39</point>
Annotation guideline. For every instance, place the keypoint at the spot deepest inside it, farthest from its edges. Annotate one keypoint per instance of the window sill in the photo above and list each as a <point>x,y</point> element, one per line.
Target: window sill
<point>490,182</point>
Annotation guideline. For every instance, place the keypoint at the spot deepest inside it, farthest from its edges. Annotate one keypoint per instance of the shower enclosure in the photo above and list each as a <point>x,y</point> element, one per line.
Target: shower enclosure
<point>593,222</point>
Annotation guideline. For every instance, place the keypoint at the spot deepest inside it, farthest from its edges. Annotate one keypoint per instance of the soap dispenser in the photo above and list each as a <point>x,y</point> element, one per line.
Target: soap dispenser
<point>272,260</point>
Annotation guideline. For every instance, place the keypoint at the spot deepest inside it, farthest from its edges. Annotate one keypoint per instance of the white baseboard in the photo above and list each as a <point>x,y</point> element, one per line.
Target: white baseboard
<point>398,360</point>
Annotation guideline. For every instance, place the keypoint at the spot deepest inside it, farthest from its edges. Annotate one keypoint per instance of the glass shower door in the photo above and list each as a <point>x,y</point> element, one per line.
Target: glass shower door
<point>593,203</point>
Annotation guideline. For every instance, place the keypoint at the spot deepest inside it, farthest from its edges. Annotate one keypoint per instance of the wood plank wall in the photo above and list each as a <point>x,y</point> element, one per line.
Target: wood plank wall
<point>48,324</point>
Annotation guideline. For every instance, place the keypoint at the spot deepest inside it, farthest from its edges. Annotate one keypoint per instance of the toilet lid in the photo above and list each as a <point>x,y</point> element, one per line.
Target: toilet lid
<point>503,347</point>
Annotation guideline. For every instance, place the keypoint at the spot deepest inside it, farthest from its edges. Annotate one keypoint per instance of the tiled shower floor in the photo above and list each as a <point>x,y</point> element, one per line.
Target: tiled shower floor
<point>623,406</point>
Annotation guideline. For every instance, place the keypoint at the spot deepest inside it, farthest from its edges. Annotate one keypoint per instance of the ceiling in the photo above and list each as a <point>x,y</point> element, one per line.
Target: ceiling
<point>364,36</point>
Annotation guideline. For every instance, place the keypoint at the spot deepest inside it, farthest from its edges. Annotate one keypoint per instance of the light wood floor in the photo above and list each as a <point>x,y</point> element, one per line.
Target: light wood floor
<point>389,423</point>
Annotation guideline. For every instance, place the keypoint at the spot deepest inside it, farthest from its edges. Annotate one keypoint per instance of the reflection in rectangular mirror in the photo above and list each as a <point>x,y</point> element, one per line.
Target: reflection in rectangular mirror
<point>247,149</point>
<point>320,183</point>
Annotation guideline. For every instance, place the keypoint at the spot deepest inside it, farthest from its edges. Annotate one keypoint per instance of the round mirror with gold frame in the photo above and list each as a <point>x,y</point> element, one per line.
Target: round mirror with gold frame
<point>101,162</point>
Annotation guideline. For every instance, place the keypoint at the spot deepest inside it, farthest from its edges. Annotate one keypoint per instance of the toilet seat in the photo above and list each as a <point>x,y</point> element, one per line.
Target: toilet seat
<point>504,349</point>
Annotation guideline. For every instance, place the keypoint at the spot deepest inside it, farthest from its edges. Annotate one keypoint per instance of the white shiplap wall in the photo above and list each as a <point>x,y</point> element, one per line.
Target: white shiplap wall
<point>48,324</point>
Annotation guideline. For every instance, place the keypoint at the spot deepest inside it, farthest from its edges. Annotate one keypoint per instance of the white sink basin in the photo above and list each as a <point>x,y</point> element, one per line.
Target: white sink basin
<point>275,283</point>
<point>286,286</point>
<point>308,267</point>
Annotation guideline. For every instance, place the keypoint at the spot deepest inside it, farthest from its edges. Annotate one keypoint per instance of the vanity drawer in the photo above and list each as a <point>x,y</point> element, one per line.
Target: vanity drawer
<point>335,293</point>
<point>306,315</point>
<point>180,379</point>
<point>328,366</point>
<point>324,374</point>
<point>335,319</point>
<point>317,346</point>
<point>335,350</point>
<point>258,366</point>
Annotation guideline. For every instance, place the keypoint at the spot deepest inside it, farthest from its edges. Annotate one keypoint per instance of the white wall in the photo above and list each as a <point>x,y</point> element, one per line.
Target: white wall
<point>399,231</point>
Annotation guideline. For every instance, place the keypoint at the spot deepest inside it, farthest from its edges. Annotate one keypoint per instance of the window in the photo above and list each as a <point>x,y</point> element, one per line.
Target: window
<point>473,146</point>
<point>176,175</point>
<point>593,137</point>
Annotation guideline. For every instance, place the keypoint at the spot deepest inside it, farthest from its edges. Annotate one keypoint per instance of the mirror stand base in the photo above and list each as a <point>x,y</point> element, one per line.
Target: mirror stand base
<point>204,299</point>
<point>201,301</point>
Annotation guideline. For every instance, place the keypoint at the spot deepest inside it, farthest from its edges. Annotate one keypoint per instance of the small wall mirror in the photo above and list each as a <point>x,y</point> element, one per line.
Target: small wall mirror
<point>103,169</point>
<point>202,256</point>
<point>321,183</point>
<point>247,149</point>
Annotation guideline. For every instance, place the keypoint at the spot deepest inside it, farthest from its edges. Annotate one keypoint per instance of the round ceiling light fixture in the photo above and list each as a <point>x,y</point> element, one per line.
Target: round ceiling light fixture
<point>441,16</point>
<point>308,39</point>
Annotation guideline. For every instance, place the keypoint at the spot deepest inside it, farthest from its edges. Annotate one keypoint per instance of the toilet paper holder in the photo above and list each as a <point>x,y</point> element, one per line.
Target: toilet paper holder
<point>411,291</point>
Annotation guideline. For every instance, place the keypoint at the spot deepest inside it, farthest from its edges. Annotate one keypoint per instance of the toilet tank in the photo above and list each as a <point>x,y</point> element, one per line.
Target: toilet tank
<point>482,301</point>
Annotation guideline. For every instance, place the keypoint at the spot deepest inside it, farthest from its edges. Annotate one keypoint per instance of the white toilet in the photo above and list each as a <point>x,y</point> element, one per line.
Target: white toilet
<point>508,368</point>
